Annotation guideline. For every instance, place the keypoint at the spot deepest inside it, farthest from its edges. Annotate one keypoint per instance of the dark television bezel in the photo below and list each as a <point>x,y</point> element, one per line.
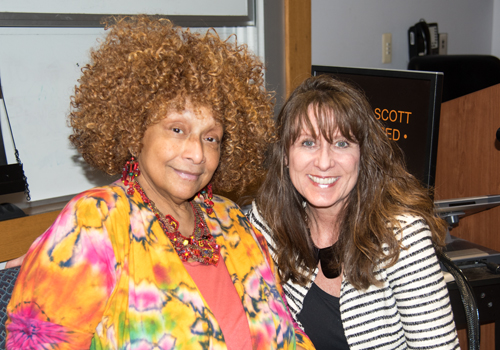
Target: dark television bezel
<point>434,110</point>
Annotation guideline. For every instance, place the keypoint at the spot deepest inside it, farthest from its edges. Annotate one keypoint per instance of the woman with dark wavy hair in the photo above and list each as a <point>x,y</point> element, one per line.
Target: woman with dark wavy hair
<point>352,232</point>
<point>154,260</point>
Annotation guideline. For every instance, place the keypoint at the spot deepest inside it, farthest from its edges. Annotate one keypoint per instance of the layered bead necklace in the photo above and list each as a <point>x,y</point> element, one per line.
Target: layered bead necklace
<point>200,246</point>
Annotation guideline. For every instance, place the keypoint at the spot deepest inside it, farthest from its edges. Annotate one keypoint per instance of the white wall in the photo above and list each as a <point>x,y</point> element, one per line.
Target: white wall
<point>349,33</point>
<point>495,47</point>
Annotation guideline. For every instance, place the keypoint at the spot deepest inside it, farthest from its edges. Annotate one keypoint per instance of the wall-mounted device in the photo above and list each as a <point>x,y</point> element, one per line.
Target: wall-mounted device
<point>423,39</point>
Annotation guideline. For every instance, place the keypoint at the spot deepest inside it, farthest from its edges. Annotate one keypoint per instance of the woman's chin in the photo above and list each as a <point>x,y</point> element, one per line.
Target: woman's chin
<point>325,204</point>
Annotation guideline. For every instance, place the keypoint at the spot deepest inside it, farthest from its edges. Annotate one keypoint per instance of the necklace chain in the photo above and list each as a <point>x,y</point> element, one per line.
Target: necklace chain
<point>200,246</point>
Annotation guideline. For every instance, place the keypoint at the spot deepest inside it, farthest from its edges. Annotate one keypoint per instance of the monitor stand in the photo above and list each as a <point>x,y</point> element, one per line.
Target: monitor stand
<point>463,253</point>
<point>452,210</point>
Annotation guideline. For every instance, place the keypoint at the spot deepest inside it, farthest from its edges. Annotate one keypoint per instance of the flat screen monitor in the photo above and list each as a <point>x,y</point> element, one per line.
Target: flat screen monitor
<point>408,103</point>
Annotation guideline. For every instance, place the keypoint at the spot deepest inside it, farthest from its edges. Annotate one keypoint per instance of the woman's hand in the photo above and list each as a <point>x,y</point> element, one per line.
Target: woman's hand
<point>15,262</point>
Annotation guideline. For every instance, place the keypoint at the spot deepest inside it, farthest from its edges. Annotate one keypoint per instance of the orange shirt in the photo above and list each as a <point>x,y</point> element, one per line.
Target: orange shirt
<point>218,290</point>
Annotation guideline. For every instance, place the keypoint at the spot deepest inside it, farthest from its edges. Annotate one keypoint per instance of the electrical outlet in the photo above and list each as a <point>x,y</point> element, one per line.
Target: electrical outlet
<point>386,48</point>
<point>443,43</point>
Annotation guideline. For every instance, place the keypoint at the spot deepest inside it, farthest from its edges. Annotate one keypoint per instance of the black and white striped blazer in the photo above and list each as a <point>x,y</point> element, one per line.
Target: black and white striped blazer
<point>411,310</point>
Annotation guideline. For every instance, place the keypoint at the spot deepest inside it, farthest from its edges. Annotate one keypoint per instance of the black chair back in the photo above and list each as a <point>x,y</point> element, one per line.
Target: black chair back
<point>7,280</point>
<point>463,74</point>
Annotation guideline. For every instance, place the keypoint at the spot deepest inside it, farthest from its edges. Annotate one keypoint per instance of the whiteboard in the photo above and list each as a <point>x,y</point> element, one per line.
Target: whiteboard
<point>39,68</point>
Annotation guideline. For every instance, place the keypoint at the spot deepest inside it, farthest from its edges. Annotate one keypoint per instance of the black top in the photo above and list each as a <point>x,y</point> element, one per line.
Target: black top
<point>320,317</point>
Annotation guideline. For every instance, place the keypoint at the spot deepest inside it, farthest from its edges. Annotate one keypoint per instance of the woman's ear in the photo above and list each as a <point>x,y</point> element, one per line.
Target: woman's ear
<point>133,152</point>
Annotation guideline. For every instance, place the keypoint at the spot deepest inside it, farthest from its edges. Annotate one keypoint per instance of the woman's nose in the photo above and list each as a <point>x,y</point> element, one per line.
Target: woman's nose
<point>193,150</point>
<point>325,159</point>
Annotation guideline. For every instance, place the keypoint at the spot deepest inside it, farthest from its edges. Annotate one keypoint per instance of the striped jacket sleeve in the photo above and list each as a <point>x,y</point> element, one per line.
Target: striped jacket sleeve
<point>411,309</point>
<point>420,290</point>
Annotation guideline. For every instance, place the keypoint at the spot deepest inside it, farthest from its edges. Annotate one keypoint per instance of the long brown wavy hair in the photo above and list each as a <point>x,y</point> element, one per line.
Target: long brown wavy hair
<point>383,191</point>
<point>146,66</point>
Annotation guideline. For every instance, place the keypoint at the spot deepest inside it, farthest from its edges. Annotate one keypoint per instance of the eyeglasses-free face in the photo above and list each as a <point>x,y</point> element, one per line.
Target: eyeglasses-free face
<point>180,154</point>
<point>323,173</point>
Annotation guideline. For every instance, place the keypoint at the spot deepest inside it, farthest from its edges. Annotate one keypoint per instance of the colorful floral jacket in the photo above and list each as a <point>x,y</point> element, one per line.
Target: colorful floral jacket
<point>105,276</point>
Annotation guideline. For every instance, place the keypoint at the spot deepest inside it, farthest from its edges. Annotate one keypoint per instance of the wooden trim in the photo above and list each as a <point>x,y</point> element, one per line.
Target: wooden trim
<point>297,43</point>
<point>17,235</point>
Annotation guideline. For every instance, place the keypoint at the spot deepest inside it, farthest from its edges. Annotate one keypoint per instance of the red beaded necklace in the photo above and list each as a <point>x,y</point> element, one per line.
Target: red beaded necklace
<point>200,246</point>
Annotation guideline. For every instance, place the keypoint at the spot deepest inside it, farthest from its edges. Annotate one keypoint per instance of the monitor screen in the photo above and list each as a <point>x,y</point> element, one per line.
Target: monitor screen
<point>408,103</point>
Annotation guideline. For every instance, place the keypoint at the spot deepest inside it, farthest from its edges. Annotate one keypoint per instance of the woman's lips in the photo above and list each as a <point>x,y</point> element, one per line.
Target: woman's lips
<point>187,175</point>
<point>323,180</point>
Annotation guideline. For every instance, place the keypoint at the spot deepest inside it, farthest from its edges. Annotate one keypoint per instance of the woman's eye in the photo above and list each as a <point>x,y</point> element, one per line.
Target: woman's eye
<point>342,144</point>
<point>176,130</point>
<point>211,139</point>
<point>308,143</point>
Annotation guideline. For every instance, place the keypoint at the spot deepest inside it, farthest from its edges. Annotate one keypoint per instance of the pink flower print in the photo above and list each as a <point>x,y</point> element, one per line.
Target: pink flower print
<point>146,297</point>
<point>167,342</point>
<point>30,329</point>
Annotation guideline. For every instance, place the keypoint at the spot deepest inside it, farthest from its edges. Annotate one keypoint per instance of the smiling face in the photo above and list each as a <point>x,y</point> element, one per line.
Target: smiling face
<point>180,155</point>
<point>323,173</point>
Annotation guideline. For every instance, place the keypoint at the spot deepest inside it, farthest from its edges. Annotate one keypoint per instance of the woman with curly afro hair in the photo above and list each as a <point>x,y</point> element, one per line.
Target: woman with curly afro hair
<point>155,260</point>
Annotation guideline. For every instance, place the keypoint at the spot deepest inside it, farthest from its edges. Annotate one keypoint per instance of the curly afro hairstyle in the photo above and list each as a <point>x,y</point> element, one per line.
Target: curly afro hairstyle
<point>146,65</point>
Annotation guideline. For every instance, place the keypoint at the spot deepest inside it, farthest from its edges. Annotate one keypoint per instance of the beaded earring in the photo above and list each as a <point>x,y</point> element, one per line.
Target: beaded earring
<point>130,171</point>
<point>207,196</point>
